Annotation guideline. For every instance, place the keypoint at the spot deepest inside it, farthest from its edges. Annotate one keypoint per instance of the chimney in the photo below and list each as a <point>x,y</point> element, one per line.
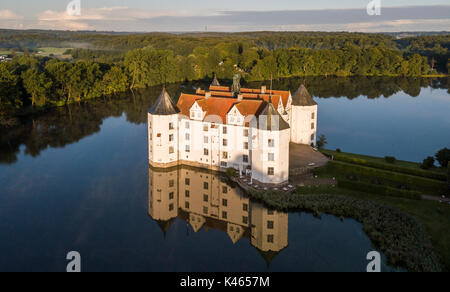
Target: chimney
<point>240,97</point>
<point>263,89</point>
<point>207,94</point>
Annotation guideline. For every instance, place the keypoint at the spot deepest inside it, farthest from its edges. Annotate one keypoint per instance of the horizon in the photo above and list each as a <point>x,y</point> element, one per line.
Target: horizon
<point>135,16</point>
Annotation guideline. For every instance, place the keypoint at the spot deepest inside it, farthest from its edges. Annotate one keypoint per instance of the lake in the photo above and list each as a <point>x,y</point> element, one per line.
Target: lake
<point>77,178</point>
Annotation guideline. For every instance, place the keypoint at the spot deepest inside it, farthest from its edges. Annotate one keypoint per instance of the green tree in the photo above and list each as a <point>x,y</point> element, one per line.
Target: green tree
<point>38,85</point>
<point>443,157</point>
<point>322,142</point>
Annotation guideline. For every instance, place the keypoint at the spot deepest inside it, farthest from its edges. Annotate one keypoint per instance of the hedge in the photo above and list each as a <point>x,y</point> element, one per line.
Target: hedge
<point>392,167</point>
<point>379,189</point>
<point>414,182</point>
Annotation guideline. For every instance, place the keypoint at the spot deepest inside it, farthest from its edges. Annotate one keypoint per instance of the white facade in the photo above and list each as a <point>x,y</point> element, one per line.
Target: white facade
<point>304,124</point>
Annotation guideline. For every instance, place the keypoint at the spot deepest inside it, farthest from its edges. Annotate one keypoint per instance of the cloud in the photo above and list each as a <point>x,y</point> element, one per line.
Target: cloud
<point>9,19</point>
<point>6,14</point>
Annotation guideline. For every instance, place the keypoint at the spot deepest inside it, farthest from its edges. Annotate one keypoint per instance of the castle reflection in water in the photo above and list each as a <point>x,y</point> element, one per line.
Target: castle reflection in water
<point>204,199</point>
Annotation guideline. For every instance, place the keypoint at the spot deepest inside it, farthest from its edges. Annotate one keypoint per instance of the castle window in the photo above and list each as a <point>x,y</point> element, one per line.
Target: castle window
<point>205,140</point>
<point>270,224</point>
<point>271,143</point>
<point>225,142</point>
<point>270,212</point>
<point>245,145</point>
<point>188,137</point>
<point>205,198</point>
<point>171,207</point>
<point>188,125</point>
<point>205,186</point>
<point>205,128</point>
<point>225,202</point>
<point>271,157</point>
<point>171,150</point>
<point>187,194</point>
<point>192,115</point>
<point>171,196</point>
<point>271,171</point>
<point>313,126</point>
<point>223,164</point>
<point>205,210</point>
<point>246,133</point>
<point>245,158</point>
<point>270,239</point>
<point>170,126</point>
<point>170,138</point>
<point>225,190</point>
<point>187,205</point>
<point>224,215</point>
<point>245,220</point>
<point>313,137</point>
<point>225,130</point>
<point>187,182</point>
<point>188,149</point>
<point>205,152</point>
<point>225,155</point>
<point>313,116</point>
<point>171,183</point>
<point>245,207</point>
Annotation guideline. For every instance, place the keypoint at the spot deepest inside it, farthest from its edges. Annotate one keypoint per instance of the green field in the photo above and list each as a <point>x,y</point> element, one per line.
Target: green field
<point>51,51</point>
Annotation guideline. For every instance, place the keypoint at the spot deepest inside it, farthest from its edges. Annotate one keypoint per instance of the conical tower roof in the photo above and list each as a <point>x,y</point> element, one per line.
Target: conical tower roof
<point>164,106</point>
<point>165,225</point>
<point>273,119</point>
<point>302,97</point>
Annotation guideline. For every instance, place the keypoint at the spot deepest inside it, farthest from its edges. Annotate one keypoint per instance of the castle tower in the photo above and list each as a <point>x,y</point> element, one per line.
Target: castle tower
<point>163,192</point>
<point>270,158</point>
<point>269,231</point>
<point>163,132</point>
<point>303,118</point>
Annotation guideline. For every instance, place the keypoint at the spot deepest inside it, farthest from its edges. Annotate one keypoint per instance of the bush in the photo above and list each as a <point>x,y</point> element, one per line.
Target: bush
<point>443,157</point>
<point>231,172</point>
<point>393,167</point>
<point>390,159</point>
<point>338,150</point>
<point>322,142</point>
<point>427,163</point>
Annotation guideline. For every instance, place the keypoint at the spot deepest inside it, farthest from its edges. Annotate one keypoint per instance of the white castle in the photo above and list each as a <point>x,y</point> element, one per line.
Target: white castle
<point>248,130</point>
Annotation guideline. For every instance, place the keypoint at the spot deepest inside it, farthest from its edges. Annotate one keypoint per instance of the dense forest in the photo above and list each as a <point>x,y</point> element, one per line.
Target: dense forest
<point>104,64</point>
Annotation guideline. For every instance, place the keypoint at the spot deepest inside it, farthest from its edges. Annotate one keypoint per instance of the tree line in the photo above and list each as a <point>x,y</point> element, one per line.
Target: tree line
<point>34,81</point>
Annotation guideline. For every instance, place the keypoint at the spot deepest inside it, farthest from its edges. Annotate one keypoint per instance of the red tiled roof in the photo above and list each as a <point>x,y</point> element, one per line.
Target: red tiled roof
<point>186,101</point>
<point>221,101</point>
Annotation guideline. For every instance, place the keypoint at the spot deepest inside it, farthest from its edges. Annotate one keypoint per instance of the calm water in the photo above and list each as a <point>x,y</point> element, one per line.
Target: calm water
<point>78,179</point>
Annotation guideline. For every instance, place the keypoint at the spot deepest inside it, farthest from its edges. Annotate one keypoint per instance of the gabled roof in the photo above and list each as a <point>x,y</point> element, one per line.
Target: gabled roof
<point>273,118</point>
<point>302,97</point>
<point>217,107</point>
<point>164,106</point>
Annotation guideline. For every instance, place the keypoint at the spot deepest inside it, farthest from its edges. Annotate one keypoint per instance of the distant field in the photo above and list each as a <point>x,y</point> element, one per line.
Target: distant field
<point>51,51</point>
<point>5,52</point>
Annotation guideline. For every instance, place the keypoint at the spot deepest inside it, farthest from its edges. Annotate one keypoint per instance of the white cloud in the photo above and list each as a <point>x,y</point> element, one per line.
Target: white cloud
<point>6,14</point>
<point>107,15</point>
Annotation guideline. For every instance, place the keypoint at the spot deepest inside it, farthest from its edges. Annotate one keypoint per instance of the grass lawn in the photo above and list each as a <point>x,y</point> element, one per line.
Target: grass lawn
<point>5,52</point>
<point>52,51</point>
<point>400,163</point>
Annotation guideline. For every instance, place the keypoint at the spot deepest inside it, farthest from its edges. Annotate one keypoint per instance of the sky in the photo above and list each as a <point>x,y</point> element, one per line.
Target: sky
<point>228,15</point>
